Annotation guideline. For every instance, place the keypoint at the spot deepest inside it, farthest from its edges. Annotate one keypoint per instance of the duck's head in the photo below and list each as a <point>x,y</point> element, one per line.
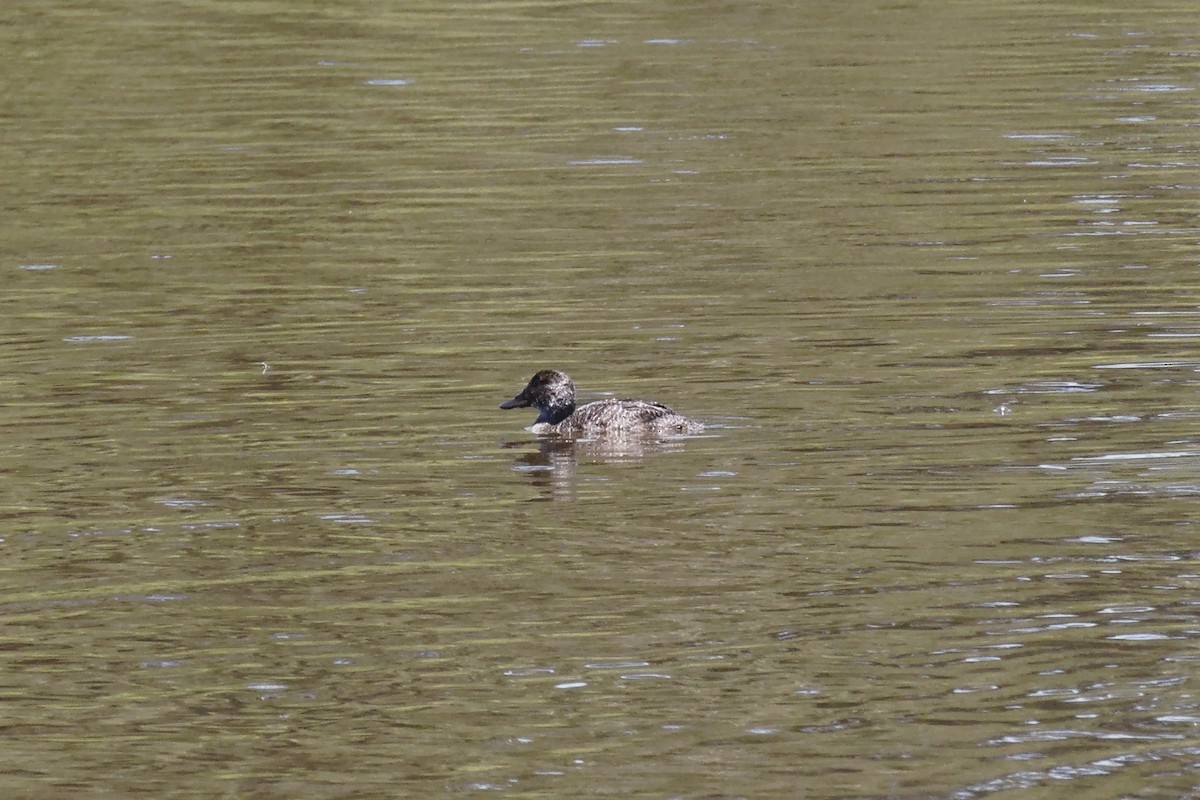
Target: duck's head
<point>551,392</point>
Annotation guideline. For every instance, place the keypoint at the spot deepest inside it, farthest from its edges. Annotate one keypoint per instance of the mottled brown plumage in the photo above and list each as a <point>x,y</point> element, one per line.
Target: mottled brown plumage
<point>552,393</point>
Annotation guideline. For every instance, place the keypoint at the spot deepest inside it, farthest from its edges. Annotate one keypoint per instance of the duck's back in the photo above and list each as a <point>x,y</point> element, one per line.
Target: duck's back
<point>627,416</point>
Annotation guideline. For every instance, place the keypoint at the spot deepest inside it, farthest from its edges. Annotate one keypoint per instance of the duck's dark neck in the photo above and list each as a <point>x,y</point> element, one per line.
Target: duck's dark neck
<point>554,416</point>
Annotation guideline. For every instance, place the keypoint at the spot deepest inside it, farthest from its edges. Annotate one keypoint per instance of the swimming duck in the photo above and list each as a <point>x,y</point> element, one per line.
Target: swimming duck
<point>552,393</point>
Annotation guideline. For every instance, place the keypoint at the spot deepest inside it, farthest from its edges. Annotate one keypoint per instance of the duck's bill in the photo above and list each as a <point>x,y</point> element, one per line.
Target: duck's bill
<point>516,402</point>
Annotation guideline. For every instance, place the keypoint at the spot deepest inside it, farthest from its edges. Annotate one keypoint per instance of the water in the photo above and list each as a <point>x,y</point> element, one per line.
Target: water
<point>925,270</point>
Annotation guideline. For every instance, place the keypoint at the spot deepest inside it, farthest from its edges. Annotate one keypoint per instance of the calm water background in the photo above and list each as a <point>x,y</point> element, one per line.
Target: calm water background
<point>927,269</point>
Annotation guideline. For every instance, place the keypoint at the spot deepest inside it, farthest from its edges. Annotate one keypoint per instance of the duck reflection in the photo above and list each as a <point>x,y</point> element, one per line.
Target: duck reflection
<point>551,462</point>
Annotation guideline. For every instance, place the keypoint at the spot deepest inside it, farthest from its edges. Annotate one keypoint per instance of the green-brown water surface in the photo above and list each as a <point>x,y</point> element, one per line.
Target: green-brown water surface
<point>927,270</point>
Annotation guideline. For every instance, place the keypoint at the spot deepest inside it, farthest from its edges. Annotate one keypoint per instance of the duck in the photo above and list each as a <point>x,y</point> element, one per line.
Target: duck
<point>552,393</point>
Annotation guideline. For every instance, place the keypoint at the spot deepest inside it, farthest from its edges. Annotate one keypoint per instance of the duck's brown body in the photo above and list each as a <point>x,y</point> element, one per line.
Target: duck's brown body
<point>552,393</point>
